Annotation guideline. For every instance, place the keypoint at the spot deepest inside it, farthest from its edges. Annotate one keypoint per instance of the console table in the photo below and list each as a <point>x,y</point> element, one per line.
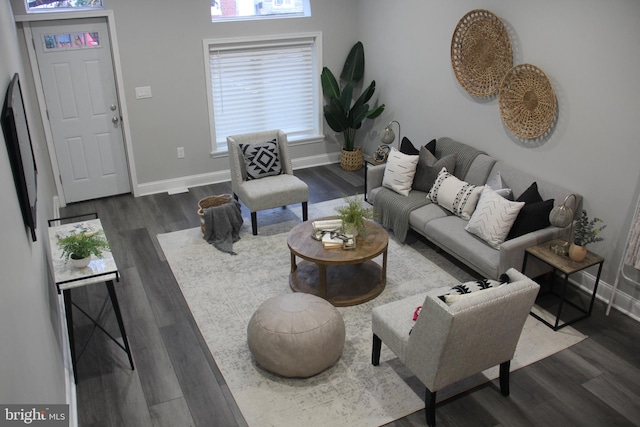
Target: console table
<point>67,277</point>
<point>567,267</point>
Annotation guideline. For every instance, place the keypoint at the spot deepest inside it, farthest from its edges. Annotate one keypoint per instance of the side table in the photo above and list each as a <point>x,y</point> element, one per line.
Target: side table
<point>369,160</point>
<point>100,270</point>
<point>567,267</point>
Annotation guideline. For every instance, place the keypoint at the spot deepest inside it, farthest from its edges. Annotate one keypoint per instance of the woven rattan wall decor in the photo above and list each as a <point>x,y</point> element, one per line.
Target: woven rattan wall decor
<point>481,52</point>
<point>527,101</point>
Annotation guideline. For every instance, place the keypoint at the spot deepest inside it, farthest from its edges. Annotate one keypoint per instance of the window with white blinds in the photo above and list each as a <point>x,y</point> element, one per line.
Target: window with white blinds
<point>258,85</point>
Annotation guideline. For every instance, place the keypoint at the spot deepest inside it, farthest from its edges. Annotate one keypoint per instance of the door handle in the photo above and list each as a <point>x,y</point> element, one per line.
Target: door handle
<point>115,120</point>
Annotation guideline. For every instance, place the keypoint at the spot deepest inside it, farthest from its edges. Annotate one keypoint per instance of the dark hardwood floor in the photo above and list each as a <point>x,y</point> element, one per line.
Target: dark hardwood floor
<point>177,383</point>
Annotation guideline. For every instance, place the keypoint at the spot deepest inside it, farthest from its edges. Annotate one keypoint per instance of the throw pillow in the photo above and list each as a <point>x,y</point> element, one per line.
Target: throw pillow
<point>261,159</point>
<point>467,289</point>
<point>530,195</point>
<point>532,217</point>
<point>429,167</point>
<point>496,184</point>
<point>407,147</point>
<point>493,218</point>
<point>456,196</point>
<point>399,172</point>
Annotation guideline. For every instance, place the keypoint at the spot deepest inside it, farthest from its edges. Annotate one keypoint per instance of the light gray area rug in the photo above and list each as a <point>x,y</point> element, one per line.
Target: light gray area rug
<point>223,291</point>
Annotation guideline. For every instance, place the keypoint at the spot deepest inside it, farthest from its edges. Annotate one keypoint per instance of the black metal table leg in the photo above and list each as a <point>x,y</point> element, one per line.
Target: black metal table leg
<point>116,309</point>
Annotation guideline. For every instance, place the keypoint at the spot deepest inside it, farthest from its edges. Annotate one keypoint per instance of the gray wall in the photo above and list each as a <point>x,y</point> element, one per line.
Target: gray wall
<point>161,46</point>
<point>32,369</point>
<point>590,52</point>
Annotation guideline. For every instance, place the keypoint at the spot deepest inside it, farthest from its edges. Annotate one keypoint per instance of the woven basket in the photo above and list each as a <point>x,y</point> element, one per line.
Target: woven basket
<point>527,101</point>
<point>211,201</point>
<point>351,160</point>
<point>481,52</point>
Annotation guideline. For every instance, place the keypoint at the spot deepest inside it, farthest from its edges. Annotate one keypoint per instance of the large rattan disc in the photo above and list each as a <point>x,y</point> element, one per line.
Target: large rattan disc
<point>481,52</point>
<point>527,101</point>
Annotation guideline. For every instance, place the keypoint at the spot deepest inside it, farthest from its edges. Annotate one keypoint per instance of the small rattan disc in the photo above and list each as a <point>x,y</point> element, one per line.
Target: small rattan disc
<point>481,52</point>
<point>527,101</point>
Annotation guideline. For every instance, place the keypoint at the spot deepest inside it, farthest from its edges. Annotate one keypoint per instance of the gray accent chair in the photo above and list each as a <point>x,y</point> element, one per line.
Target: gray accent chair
<point>271,191</point>
<point>449,343</point>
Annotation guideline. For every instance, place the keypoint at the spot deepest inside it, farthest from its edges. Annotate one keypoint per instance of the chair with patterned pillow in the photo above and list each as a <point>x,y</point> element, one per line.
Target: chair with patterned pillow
<point>456,336</point>
<point>262,175</point>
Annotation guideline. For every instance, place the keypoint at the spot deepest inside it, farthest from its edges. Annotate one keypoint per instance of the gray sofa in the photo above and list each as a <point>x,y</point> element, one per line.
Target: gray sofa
<point>447,231</point>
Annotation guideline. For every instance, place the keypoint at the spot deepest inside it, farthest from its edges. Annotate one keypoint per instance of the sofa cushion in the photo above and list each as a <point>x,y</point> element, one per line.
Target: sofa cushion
<point>449,234</point>
<point>261,159</point>
<point>407,147</point>
<point>428,168</point>
<point>458,197</point>
<point>399,172</point>
<point>493,218</point>
<point>530,195</point>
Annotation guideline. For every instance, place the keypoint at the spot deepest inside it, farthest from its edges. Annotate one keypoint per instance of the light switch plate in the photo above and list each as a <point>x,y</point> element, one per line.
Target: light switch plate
<point>143,92</point>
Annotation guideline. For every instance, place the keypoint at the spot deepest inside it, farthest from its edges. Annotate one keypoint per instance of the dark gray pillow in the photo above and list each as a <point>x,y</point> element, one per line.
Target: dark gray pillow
<point>261,159</point>
<point>429,167</point>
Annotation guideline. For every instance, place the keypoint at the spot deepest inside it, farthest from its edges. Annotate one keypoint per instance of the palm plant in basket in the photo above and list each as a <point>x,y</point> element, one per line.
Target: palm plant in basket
<point>342,113</point>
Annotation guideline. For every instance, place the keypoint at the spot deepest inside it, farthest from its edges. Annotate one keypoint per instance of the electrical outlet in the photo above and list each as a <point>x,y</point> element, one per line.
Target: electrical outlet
<point>181,152</point>
<point>143,92</point>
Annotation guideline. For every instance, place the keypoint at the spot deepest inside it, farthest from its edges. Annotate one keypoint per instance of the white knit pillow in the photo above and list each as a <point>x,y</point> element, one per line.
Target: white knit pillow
<point>458,197</point>
<point>493,217</point>
<point>399,172</point>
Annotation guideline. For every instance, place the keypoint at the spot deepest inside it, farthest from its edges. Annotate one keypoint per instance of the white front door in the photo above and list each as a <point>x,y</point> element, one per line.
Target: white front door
<point>76,70</point>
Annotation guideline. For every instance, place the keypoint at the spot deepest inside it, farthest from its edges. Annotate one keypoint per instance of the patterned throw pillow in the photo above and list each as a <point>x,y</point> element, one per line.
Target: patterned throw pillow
<point>458,197</point>
<point>493,218</point>
<point>261,159</point>
<point>467,289</point>
<point>399,172</point>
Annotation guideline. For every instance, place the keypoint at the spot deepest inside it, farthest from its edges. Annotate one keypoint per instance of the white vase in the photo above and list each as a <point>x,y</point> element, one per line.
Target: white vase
<point>81,263</point>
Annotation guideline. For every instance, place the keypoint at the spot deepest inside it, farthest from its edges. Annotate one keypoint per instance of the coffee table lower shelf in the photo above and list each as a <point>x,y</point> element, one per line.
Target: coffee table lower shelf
<point>341,285</point>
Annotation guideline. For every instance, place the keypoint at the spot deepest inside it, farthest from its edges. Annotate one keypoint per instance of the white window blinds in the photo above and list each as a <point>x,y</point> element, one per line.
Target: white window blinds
<point>264,85</point>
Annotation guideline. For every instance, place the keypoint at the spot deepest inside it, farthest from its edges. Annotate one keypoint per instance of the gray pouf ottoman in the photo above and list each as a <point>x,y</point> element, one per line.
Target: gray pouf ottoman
<point>296,335</point>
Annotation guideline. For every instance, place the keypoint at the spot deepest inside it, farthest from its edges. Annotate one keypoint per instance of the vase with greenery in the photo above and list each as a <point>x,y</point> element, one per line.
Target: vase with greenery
<point>585,231</point>
<point>354,216</point>
<point>345,110</point>
<point>81,246</point>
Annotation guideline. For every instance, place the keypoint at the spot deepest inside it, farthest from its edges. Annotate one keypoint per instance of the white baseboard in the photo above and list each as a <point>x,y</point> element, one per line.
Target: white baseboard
<point>622,302</point>
<point>177,184</point>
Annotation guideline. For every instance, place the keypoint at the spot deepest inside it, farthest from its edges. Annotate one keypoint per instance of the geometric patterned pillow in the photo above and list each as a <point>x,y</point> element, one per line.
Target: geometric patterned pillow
<point>466,289</point>
<point>493,218</point>
<point>456,196</point>
<point>261,159</point>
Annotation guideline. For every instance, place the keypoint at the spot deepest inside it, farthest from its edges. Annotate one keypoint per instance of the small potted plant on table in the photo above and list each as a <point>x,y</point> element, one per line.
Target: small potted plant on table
<point>79,247</point>
<point>585,232</point>
<point>354,216</point>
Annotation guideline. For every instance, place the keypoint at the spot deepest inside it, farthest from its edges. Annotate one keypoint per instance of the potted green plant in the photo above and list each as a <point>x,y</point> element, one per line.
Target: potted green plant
<point>585,231</point>
<point>354,215</point>
<point>341,112</point>
<point>79,247</point>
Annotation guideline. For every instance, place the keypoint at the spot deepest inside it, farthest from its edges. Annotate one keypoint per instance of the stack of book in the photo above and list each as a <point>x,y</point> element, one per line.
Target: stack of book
<point>329,232</point>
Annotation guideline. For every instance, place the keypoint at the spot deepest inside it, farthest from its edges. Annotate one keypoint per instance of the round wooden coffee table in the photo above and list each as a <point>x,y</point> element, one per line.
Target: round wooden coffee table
<point>342,277</point>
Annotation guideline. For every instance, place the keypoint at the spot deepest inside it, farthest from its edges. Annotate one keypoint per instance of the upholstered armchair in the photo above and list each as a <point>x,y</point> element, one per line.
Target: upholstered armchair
<point>262,175</point>
<point>451,342</point>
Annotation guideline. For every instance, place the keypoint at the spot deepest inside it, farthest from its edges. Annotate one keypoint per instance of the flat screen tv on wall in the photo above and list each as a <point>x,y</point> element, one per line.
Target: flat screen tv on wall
<point>20,151</point>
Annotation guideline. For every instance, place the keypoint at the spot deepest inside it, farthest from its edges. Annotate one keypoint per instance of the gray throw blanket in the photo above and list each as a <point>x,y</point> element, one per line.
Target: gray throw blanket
<point>465,155</point>
<point>222,226</point>
<point>393,209</point>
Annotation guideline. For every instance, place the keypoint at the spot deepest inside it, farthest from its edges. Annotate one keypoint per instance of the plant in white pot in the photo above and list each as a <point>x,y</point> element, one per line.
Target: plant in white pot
<point>79,247</point>
<point>584,232</point>
<point>354,216</point>
<point>342,113</point>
